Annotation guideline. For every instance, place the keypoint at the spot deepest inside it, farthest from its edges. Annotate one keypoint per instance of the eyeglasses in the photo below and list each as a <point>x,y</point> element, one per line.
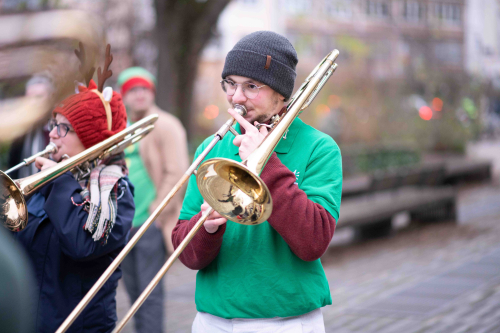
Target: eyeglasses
<point>250,90</point>
<point>62,129</point>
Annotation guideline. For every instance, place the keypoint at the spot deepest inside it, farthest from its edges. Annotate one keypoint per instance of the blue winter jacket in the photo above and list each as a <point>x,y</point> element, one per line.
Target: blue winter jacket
<point>67,261</point>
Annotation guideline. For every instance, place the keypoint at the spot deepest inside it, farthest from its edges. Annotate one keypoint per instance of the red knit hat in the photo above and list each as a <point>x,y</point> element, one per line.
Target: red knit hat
<point>87,114</point>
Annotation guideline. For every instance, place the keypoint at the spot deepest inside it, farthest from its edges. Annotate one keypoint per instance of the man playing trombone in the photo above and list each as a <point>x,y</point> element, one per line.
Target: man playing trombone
<point>80,221</point>
<point>268,276</point>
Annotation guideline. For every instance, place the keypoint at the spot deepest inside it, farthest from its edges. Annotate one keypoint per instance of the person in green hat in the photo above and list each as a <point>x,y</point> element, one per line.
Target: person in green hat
<point>155,164</point>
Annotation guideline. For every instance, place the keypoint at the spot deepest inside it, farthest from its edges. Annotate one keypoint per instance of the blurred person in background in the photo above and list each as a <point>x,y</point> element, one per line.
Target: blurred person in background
<point>40,86</point>
<point>156,163</point>
<point>266,277</point>
<point>78,223</point>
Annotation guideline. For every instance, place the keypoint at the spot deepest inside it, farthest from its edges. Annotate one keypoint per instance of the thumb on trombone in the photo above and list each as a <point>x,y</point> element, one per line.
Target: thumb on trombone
<point>213,221</point>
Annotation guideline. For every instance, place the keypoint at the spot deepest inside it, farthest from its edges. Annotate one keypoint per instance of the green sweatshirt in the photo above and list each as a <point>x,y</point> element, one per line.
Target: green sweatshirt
<point>145,191</point>
<point>255,274</point>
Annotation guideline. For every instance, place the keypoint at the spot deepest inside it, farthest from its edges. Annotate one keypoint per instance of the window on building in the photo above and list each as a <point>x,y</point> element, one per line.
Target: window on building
<point>298,7</point>
<point>338,8</point>
<point>448,13</point>
<point>449,53</point>
<point>378,8</point>
<point>414,11</point>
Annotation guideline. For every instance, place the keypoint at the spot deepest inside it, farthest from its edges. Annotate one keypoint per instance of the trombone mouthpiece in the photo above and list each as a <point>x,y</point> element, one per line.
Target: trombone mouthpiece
<point>241,109</point>
<point>52,148</point>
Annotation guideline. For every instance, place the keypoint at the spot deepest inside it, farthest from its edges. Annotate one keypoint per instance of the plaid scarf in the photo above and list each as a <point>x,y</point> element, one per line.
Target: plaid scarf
<point>99,193</point>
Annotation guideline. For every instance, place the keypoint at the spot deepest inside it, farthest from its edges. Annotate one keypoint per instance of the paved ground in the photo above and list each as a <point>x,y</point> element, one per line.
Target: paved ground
<point>442,277</point>
<point>389,285</point>
<point>434,278</point>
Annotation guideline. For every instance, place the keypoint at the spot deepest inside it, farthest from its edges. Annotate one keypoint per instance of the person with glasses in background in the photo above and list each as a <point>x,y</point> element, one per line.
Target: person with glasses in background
<point>266,277</point>
<point>79,222</point>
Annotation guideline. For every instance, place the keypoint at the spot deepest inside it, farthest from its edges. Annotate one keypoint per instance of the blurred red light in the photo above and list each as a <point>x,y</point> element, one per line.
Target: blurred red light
<point>211,112</point>
<point>334,101</point>
<point>322,110</point>
<point>437,104</point>
<point>425,113</point>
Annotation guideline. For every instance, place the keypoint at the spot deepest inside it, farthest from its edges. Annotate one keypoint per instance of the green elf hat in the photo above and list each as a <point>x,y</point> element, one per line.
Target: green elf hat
<point>135,77</point>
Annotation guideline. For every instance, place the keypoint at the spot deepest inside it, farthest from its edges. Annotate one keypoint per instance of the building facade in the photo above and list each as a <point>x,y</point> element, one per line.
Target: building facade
<point>381,38</point>
<point>377,39</point>
<point>386,34</point>
<point>483,39</point>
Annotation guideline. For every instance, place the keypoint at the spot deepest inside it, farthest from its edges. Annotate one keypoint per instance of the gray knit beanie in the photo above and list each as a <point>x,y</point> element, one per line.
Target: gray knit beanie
<point>264,56</point>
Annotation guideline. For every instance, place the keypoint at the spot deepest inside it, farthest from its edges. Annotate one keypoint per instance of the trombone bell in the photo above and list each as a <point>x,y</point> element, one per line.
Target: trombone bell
<point>234,191</point>
<point>13,211</point>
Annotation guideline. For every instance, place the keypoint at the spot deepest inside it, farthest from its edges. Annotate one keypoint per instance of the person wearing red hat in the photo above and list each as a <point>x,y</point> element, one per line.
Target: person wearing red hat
<point>155,164</point>
<point>79,222</point>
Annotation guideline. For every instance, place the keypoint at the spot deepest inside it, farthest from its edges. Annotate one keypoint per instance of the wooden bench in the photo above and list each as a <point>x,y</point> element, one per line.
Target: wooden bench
<point>424,175</point>
<point>450,171</point>
<point>356,185</point>
<point>372,214</point>
<point>369,202</point>
<point>461,170</point>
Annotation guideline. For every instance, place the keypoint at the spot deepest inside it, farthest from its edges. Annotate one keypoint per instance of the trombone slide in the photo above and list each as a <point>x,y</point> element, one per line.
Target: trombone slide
<point>114,265</point>
<point>50,149</point>
<point>250,192</point>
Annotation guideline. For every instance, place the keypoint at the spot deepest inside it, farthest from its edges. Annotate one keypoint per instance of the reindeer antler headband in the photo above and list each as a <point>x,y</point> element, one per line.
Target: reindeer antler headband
<point>82,56</point>
<point>107,94</point>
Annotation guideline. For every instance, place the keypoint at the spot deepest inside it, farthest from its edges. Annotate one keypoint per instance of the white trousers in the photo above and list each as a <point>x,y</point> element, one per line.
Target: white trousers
<point>311,322</point>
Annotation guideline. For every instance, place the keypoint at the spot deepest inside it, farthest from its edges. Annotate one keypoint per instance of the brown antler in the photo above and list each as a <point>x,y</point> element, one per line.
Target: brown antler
<point>103,76</point>
<point>87,76</point>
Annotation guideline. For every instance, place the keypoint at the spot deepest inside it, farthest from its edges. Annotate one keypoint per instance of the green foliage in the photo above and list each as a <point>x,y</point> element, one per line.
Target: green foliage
<point>367,159</point>
<point>4,155</point>
<point>354,47</point>
<point>383,112</point>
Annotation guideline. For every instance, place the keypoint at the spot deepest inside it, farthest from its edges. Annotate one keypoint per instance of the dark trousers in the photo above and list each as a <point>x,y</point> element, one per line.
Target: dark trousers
<point>139,267</point>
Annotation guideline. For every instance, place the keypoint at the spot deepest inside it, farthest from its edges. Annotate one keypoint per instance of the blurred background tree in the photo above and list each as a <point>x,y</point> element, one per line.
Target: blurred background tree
<point>183,29</point>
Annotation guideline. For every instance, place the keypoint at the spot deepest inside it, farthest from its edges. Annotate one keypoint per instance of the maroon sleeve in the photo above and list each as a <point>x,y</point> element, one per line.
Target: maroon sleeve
<point>305,226</point>
<point>203,248</point>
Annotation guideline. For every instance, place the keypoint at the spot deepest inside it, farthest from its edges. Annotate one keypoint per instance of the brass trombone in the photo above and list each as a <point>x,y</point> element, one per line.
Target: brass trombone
<point>228,126</point>
<point>249,195</point>
<point>50,149</point>
<point>14,193</point>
